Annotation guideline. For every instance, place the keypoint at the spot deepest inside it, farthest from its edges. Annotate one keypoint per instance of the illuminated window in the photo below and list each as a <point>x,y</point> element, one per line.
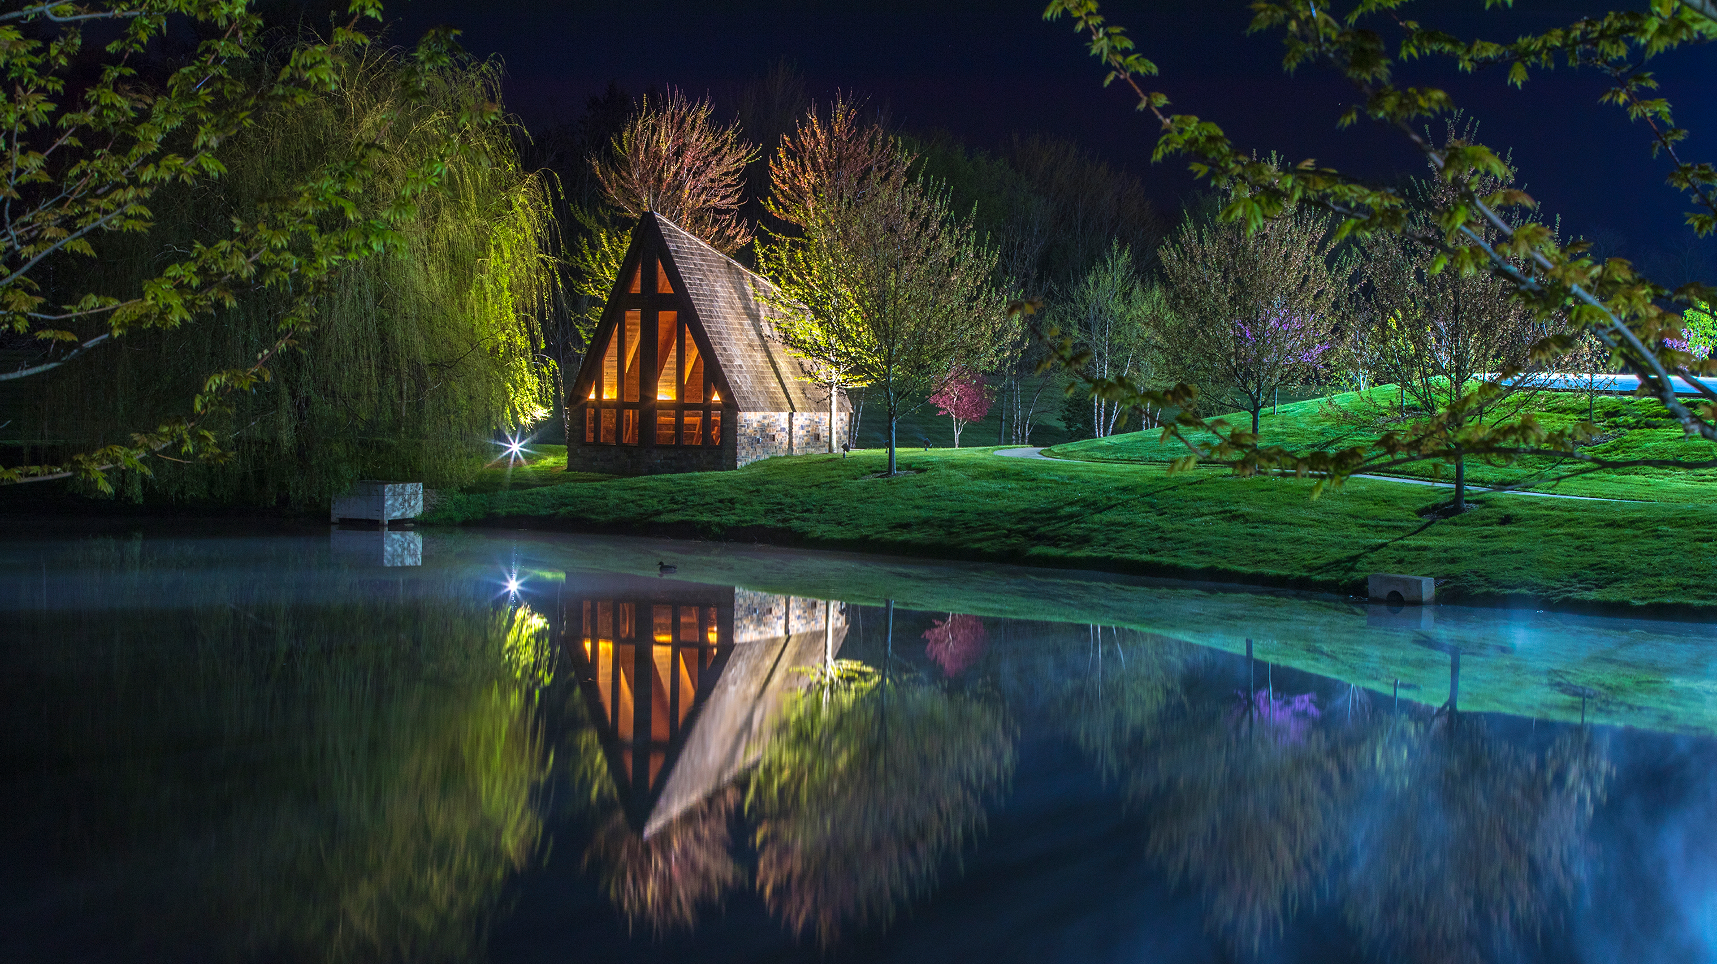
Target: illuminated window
<point>611,367</point>
<point>590,425</point>
<point>662,285</point>
<point>634,364</point>
<point>665,428</point>
<point>692,432</point>
<point>694,368</point>
<point>608,426</point>
<point>715,428</point>
<point>667,357</point>
<point>636,285</point>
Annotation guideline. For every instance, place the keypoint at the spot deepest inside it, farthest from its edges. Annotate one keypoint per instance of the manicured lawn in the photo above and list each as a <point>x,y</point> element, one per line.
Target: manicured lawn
<point>543,465</point>
<point>1629,428</point>
<point>974,505</point>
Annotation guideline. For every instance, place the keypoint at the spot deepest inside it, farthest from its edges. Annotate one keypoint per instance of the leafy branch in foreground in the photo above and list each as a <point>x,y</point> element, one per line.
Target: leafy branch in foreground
<point>76,176</point>
<point>1466,227</point>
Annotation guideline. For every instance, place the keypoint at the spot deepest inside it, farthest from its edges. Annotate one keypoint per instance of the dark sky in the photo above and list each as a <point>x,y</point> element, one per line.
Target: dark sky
<point>984,70</point>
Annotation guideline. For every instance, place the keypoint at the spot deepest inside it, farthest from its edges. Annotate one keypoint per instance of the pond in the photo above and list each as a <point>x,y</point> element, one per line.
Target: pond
<point>311,745</point>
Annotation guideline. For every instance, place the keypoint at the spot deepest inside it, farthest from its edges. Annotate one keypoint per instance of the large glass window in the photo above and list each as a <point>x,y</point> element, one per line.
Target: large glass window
<point>652,386</point>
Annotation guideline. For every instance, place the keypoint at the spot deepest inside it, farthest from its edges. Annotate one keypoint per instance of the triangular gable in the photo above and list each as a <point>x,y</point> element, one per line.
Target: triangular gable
<point>722,304</point>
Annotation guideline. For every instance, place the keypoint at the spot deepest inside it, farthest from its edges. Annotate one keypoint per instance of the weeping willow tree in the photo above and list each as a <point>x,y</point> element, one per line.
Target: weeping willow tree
<point>416,358</point>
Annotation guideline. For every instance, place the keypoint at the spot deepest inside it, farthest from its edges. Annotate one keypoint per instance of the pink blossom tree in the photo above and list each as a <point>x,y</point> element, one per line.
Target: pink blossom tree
<point>956,642</point>
<point>963,397</point>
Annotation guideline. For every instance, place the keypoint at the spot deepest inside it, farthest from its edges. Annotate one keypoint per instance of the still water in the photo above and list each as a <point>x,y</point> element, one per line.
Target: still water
<point>353,746</point>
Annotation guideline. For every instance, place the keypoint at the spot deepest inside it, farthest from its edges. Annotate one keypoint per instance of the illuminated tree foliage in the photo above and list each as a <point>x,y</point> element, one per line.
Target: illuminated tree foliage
<point>1471,228</point>
<point>419,355</point>
<point>963,397</point>
<point>834,159</point>
<point>672,158</point>
<point>890,290</point>
<point>102,144</point>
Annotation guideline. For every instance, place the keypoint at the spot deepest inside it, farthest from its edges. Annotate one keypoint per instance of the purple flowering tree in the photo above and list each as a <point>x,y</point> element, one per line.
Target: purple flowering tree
<point>1253,312</point>
<point>1275,348</point>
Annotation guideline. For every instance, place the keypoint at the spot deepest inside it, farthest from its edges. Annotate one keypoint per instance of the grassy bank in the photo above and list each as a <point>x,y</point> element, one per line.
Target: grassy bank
<point>973,505</point>
<point>1628,428</point>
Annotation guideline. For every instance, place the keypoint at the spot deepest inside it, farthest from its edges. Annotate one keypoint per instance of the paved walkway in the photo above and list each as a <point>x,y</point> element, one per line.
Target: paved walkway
<point>1037,453</point>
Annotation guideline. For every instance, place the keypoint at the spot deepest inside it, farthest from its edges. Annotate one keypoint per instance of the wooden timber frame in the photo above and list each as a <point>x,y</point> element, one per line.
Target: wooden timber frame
<point>650,380</point>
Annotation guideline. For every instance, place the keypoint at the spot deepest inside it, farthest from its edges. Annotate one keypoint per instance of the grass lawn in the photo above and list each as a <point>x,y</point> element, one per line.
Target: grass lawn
<point>544,465</point>
<point>973,505</point>
<point>1628,428</point>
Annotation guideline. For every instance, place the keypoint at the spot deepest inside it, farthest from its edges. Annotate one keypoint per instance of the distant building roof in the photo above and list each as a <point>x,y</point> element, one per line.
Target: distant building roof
<point>727,299</point>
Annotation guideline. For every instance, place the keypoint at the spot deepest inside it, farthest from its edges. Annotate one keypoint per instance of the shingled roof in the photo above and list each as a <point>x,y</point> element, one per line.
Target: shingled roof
<point>761,373</point>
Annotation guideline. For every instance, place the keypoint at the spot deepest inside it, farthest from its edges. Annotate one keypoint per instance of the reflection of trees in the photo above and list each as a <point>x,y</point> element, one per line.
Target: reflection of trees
<point>1245,815</point>
<point>1474,843</point>
<point>273,778</point>
<point>867,788</point>
<point>1246,799</point>
<point>667,878</point>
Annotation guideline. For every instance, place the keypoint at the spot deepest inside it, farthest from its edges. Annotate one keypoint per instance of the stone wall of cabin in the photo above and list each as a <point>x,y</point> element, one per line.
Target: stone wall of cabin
<point>756,435</point>
<point>762,435</point>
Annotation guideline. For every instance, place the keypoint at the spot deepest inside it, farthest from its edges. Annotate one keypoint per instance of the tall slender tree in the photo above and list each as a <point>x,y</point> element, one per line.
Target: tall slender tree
<point>913,286</point>
<point>1451,330</point>
<point>1113,316</point>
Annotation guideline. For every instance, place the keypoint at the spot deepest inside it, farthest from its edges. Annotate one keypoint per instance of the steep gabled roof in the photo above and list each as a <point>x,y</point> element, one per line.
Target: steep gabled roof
<point>727,299</point>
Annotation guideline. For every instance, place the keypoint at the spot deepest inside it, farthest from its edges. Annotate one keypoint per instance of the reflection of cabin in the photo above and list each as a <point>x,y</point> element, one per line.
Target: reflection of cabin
<point>685,372</point>
<point>716,663</point>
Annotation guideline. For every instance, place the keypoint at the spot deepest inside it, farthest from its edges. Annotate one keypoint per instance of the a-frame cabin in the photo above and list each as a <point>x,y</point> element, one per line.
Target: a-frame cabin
<point>686,372</point>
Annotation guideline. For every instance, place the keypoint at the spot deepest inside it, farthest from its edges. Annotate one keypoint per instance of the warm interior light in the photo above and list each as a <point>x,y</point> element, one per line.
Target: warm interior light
<point>593,394</point>
<point>714,396</point>
<point>664,398</point>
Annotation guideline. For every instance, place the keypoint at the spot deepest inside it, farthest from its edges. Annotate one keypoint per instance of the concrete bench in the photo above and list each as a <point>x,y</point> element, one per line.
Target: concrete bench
<point>1409,590</point>
<point>380,502</point>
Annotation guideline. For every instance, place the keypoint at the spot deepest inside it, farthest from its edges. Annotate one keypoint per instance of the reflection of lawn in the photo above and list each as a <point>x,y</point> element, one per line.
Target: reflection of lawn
<point>1647,673</point>
<point>1628,428</point>
<point>543,465</point>
<point>1128,518</point>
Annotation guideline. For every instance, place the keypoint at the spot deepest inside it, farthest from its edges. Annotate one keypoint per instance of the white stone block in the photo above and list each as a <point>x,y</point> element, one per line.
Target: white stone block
<point>1412,590</point>
<point>380,502</point>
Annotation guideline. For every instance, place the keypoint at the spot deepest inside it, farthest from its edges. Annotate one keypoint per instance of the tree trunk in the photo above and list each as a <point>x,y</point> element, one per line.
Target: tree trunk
<point>892,419</point>
<point>1460,483</point>
<point>1255,412</point>
<point>834,387</point>
<point>957,428</point>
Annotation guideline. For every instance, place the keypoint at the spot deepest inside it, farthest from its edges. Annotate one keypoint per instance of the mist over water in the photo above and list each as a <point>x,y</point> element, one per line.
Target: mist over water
<point>356,746</point>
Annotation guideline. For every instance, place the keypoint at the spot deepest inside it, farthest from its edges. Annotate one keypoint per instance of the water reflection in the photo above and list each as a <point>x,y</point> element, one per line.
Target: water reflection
<point>265,750</point>
<point>354,779</point>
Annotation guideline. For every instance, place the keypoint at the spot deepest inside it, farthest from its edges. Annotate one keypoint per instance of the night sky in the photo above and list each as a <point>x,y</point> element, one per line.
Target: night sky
<point>986,70</point>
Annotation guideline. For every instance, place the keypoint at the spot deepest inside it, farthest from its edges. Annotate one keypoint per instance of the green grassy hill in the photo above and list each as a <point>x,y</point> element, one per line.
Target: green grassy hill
<point>1628,428</point>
